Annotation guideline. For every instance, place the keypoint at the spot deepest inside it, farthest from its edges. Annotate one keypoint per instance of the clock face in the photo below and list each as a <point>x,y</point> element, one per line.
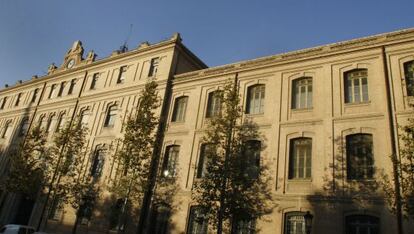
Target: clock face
<point>70,63</point>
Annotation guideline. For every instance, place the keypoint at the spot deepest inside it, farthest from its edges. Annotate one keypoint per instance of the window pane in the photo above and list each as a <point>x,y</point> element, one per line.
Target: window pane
<point>300,158</point>
<point>302,93</point>
<point>360,161</point>
<point>255,102</point>
<point>364,89</point>
<point>198,222</point>
<point>409,77</point>
<point>179,109</point>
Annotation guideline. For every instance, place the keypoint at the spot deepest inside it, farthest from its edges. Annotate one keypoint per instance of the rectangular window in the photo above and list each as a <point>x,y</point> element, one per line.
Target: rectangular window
<point>18,99</point>
<point>71,86</point>
<point>198,222</point>
<point>179,109</point>
<point>360,161</point>
<point>3,103</point>
<point>6,130</point>
<point>35,92</point>
<point>300,158</point>
<point>169,167</point>
<point>153,67</point>
<point>251,159</point>
<point>52,90</point>
<point>24,127</point>
<point>409,77</point>
<point>244,224</point>
<point>121,75</point>
<point>362,224</point>
<point>56,209</point>
<point>110,117</point>
<point>356,83</point>
<point>95,78</point>
<point>62,87</point>
<point>295,223</point>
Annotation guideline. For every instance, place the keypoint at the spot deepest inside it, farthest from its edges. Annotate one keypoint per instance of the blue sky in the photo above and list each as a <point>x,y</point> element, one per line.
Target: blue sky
<point>34,34</point>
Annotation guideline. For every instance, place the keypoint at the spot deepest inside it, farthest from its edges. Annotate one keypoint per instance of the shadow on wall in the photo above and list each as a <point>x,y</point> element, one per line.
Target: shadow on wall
<point>351,185</point>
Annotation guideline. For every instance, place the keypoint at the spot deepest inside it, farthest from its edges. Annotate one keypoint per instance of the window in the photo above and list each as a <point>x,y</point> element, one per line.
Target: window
<point>169,166</point>
<point>41,121</point>
<point>18,99</point>
<point>213,104</point>
<point>356,86</point>
<point>121,76</point>
<point>71,86</point>
<point>110,117</point>
<point>205,152</point>
<point>52,91</point>
<point>198,222</point>
<point>50,123</point>
<point>3,103</point>
<point>60,122</point>
<point>361,224</point>
<point>360,161</point>
<point>159,219</point>
<point>302,93</point>
<point>251,159</point>
<point>255,99</point>
<point>62,87</point>
<point>97,163</point>
<point>56,209</point>
<point>6,128</point>
<point>243,224</point>
<point>295,223</point>
<point>24,127</point>
<point>85,209</point>
<point>84,118</point>
<point>35,92</point>
<point>300,158</point>
<point>179,109</point>
<point>409,77</point>
<point>95,78</point>
<point>153,67</point>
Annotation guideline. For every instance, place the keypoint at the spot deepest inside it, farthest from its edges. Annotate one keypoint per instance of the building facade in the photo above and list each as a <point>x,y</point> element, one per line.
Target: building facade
<point>328,116</point>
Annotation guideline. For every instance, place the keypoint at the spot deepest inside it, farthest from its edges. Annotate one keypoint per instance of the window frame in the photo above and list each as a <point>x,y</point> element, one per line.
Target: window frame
<point>94,80</point>
<point>98,162</point>
<point>154,66</point>
<point>18,98</point>
<point>34,97</point>
<point>255,99</point>
<point>294,168</point>
<point>121,75</point>
<point>180,109</point>
<point>213,104</point>
<point>368,218</point>
<point>297,100</point>
<point>3,104</point>
<point>110,116</point>
<point>349,85</point>
<point>195,211</point>
<point>409,81</point>
<point>251,224</point>
<point>72,86</point>
<point>61,88</point>
<point>203,160</point>
<point>52,91</point>
<point>24,127</point>
<point>170,161</point>
<point>251,159</point>
<point>288,215</point>
<point>367,165</point>
<point>6,128</point>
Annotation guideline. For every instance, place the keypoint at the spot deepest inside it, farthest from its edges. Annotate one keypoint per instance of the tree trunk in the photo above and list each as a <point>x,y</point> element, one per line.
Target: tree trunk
<point>75,226</point>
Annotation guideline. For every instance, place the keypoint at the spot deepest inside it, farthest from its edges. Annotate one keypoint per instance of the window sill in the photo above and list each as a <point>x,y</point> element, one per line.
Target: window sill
<point>254,115</point>
<point>350,104</point>
<point>302,110</point>
<point>299,180</point>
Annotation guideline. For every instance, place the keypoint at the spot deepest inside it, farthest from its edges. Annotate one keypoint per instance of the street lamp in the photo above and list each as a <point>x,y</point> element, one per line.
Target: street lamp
<point>308,222</point>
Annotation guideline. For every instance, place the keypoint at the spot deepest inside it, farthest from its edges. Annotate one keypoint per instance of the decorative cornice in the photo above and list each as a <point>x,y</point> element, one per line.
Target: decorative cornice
<point>329,49</point>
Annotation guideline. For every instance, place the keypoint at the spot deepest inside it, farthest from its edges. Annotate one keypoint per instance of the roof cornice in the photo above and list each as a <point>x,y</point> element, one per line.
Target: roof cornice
<point>324,50</point>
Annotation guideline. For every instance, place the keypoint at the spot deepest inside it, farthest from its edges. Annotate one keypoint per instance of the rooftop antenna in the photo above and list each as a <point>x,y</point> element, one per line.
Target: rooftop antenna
<point>124,47</point>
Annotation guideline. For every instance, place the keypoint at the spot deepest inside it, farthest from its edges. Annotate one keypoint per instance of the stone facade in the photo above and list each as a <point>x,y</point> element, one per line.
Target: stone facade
<point>326,95</point>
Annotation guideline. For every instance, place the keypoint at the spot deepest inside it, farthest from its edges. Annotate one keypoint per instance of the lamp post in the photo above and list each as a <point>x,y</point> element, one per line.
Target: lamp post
<point>308,222</point>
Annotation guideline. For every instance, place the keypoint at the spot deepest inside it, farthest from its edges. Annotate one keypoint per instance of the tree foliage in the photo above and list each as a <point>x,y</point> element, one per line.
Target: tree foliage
<point>235,185</point>
<point>28,162</point>
<point>137,147</point>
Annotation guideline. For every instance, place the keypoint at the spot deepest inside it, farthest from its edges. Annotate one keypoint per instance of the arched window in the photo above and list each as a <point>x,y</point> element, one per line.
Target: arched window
<point>180,107</point>
<point>362,224</point>
<point>6,128</point>
<point>302,93</point>
<point>295,223</point>
<point>110,116</point>
<point>243,224</point>
<point>169,165</point>
<point>409,77</point>
<point>359,157</point>
<point>251,159</point>
<point>60,123</point>
<point>50,123</point>
<point>356,86</point>
<point>205,154</point>
<point>97,163</point>
<point>24,127</point>
<point>255,99</point>
<point>213,104</point>
<point>300,158</point>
